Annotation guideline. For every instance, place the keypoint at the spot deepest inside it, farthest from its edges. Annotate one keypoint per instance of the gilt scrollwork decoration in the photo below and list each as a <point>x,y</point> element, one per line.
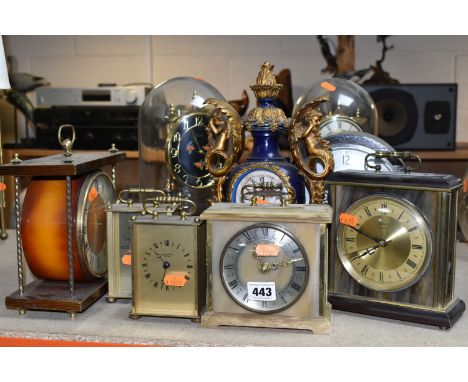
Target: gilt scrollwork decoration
<point>226,141</point>
<point>304,132</point>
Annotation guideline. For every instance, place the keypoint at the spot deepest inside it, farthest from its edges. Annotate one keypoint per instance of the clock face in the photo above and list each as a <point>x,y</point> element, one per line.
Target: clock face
<point>165,258</point>
<point>338,124</point>
<point>384,242</point>
<point>186,150</point>
<point>264,268</point>
<point>96,194</point>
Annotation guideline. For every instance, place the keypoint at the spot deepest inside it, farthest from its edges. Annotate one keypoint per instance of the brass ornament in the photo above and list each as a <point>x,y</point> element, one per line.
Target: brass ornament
<point>305,128</point>
<point>266,87</point>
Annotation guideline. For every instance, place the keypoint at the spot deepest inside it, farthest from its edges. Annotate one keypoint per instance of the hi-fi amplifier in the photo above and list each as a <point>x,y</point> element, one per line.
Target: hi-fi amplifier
<point>131,95</point>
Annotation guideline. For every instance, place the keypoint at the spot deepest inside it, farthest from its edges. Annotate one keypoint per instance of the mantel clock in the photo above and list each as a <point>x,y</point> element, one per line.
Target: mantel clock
<point>61,229</point>
<point>267,266</point>
<point>393,244</point>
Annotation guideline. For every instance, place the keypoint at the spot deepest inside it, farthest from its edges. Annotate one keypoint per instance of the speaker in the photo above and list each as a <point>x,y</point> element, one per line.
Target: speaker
<point>416,116</point>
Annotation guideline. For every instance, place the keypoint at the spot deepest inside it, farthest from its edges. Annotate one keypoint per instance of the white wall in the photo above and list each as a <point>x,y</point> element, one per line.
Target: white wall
<point>230,63</point>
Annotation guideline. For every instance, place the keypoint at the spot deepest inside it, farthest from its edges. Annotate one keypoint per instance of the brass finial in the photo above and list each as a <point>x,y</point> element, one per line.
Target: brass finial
<point>266,86</point>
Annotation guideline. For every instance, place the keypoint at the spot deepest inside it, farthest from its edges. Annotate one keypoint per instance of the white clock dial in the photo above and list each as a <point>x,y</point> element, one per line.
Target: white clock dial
<point>338,124</point>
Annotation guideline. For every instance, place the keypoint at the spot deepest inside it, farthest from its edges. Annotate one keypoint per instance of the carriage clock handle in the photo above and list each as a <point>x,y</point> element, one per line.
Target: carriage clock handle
<point>176,205</point>
<point>403,155</point>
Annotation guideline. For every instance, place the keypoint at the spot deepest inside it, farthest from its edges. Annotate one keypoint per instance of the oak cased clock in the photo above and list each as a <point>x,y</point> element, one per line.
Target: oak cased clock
<point>393,245</point>
<point>267,266</point>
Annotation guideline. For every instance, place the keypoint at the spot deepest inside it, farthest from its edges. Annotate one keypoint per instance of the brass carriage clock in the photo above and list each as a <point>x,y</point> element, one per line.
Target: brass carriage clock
<point>267,266</point>
<point>61,229</point>
<point>393,244</point>
<point>168,266</point>
<point>120,216</point>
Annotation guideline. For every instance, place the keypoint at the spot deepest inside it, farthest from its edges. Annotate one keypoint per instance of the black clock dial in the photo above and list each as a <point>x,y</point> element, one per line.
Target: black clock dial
<point>187,149</point>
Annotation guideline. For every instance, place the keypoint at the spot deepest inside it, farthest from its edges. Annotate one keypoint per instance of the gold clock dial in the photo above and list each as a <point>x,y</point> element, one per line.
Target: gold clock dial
<point>384,242</point>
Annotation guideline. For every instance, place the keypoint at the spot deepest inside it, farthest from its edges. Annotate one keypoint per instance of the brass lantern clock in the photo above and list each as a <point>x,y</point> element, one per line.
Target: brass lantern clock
<point>393,244</point>
<point>267,266</point>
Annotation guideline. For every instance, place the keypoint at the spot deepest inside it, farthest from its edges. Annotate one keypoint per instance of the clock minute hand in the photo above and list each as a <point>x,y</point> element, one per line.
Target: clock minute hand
<point>364,234</point>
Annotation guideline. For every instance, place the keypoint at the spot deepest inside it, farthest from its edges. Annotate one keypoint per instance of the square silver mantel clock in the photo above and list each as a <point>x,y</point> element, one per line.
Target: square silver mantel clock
<point>267,266</point>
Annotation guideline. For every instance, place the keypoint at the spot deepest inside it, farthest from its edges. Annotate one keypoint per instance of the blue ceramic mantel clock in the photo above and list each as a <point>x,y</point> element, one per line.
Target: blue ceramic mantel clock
<point>266,174</point>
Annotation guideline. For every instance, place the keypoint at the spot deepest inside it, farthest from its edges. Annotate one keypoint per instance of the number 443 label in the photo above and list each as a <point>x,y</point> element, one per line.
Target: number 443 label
<point>261,291</point>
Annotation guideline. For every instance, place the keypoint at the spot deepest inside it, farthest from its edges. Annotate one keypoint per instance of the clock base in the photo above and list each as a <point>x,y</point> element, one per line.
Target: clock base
<point>318,325</point>
<point>443,319</point>
<point>51,295</point>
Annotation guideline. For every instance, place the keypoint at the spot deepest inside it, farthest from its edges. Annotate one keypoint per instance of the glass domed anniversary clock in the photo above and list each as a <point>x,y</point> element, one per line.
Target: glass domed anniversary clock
<point>173,137</point>
<point>350,107</point>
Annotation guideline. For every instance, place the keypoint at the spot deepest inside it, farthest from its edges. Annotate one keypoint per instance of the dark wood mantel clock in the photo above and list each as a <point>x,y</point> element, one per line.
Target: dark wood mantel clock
<point>61,228</point>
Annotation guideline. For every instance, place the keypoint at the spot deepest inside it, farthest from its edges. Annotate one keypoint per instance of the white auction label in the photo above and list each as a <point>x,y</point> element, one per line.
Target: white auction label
<point>261,291</point>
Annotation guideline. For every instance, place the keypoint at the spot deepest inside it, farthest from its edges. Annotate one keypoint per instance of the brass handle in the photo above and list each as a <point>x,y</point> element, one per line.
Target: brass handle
<point>403,155</point>
<point>175,205</point>
<point>67,143</point>
<point>130,191</point>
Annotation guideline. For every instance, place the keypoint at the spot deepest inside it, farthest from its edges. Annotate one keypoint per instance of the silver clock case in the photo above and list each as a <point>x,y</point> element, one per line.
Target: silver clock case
<point>308,224</point>
<point>435,196</point>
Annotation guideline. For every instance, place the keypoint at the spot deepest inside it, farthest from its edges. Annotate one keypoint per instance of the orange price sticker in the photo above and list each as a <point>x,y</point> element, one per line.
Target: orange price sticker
<point>127,258</point>
<point>93,193</point>
<point>267,250</point>
<point>2,186</point>
<point>465,185</point>
<point>348,219</point>
<point>328,86</point>
<point>175,279</point>
<point>262,201</point>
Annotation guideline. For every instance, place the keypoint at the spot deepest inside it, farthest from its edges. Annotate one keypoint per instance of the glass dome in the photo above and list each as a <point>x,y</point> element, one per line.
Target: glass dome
<point>166,103</point>
<point>347,99</point>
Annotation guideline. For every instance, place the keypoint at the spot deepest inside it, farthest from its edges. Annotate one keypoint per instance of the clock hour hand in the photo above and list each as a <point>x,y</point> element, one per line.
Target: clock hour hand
<point>199,149</point>
<point>366,251</point>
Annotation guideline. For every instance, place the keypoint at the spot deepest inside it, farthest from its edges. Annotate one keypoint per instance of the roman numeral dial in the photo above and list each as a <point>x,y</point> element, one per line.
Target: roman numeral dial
<point>384,242</point>
<point>267,255</point>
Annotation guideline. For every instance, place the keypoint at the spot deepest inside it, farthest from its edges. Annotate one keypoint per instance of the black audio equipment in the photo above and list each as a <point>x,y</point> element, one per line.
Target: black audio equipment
<point>416,116</point>
<point>95,127</point>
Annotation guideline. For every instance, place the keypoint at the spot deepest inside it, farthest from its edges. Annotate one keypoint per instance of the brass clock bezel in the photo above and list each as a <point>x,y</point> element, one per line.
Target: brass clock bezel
<point>418,217</point>
<point>296,241</point>
<point>174,128</point>
<point>80,223</point>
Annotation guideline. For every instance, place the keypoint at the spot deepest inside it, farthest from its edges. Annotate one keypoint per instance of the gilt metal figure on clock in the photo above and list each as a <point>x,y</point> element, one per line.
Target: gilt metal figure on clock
<point>265,166</point>
<point>61,228</point>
